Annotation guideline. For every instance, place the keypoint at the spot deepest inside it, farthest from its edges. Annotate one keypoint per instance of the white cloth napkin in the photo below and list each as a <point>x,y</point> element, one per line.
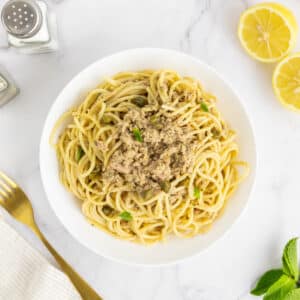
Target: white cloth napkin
<point>26,275</point>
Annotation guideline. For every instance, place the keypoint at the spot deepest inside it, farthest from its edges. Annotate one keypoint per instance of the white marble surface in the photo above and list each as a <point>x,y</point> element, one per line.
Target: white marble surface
<point>206,29</point>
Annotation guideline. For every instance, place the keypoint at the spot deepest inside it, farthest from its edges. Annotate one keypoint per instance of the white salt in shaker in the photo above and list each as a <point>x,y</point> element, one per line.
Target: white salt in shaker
<point>30,26</point>
<point>8,89</point>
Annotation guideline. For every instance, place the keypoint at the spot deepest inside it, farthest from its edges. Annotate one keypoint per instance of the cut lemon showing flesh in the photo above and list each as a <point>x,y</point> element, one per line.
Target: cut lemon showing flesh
<point>286,82</point>
<point>268,31</point>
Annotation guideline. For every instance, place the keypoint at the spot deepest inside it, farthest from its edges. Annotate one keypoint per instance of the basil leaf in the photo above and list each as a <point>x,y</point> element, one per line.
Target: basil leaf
<point>290,259</point>
<point>204,107</point>
<point>137,135</point>
<point>280,288</point>
<point>126,216</point>
<point>197,193</point>
<point>79,153</point>
<point>293,295</point>
<point>265,281</point>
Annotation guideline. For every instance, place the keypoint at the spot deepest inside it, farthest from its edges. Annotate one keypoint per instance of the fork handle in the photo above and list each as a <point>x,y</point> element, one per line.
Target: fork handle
<point>84,289</point>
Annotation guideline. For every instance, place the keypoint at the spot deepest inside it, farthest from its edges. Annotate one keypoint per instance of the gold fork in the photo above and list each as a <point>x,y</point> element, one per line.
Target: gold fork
<point>14,200</point>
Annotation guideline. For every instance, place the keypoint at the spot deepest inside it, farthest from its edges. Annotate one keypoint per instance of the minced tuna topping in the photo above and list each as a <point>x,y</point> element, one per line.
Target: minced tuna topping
<point>154,150</point>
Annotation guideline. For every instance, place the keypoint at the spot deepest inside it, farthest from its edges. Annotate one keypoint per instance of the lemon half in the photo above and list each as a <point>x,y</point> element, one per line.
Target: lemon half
<point>268,31</point>
<point>286,82</point>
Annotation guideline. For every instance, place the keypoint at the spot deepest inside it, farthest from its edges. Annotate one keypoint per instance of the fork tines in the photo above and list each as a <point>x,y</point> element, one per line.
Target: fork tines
<point>6,187</point>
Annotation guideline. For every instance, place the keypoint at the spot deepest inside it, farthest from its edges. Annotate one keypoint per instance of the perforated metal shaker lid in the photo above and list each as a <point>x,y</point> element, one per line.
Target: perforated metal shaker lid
<point>21,18</point>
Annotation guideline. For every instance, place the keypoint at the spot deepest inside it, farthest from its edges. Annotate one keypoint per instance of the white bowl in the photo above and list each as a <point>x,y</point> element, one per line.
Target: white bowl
<point>68,209</point>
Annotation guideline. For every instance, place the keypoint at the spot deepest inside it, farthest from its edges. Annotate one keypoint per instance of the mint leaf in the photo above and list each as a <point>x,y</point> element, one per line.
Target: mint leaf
<point>280,288</point>
<point>265,281</point>
<point>290,259</point>
<point>293,295</point>
<point>126,216</point>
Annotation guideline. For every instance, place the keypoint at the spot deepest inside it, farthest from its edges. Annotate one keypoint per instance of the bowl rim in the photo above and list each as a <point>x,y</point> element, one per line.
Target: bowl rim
<point>254,166</point>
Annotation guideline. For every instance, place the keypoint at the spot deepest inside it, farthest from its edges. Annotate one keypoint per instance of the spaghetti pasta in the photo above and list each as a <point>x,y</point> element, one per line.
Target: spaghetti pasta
<point>149,154</point>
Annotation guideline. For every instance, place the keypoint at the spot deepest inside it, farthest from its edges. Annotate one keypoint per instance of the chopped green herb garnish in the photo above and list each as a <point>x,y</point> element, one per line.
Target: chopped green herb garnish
<point>165,186</point>
<point>93,176</point>
<point>197,193</point>
<point>154,119</point>
<point>95,173</point>
<point>97,169</point>
<point>204,107</point>
<point>147,194</point>
<point>106,119</point>
<point>126,216</point>
<point>155,122</point>
<point>215,133</point>
<point>79,153</point>
<point>107,210</point>
<point>139,101</point>
<point>137,135</point>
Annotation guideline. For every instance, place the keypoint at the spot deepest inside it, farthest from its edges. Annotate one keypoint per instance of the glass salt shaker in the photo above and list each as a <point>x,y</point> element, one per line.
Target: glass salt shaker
<point>30,26</point>
<point>8,89</point>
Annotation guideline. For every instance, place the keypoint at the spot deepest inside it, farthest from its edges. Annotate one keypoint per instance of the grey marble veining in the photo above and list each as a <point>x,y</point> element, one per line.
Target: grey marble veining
<point>207,30</point>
